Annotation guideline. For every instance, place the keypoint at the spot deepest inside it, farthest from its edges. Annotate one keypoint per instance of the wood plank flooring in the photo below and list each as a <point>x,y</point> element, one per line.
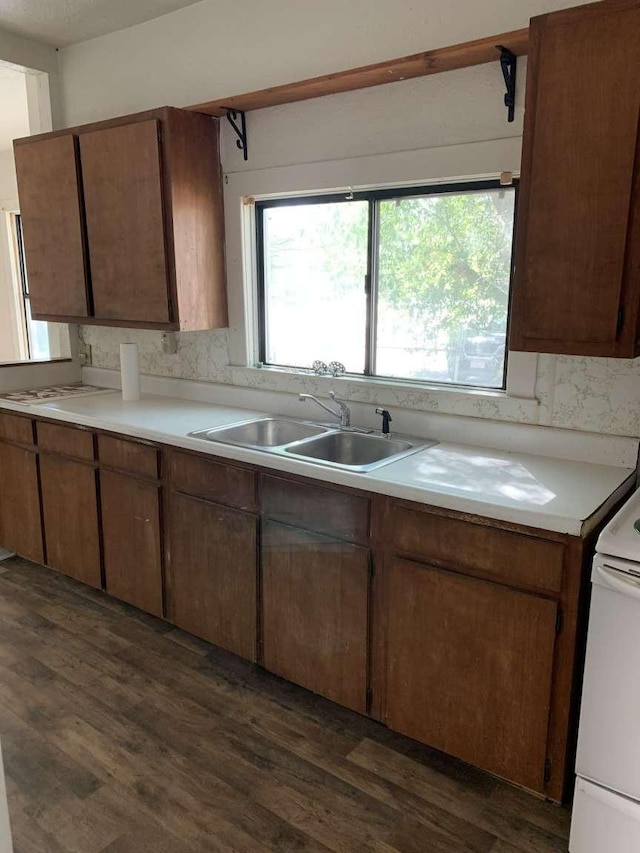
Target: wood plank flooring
<point>121,734</point>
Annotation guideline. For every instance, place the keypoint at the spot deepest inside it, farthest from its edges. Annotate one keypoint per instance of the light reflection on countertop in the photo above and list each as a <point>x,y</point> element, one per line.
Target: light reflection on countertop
<point>479,474</point>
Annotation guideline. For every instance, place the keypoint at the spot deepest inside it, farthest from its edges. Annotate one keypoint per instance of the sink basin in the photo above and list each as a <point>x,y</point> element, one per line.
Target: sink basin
<point>263,433</point>
<point>324,445</point>
<point>355,451</point>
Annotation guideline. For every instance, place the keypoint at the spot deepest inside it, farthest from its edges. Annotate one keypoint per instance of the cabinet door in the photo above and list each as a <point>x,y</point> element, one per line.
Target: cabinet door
<point>131,540</point>
<point>469,667</point>
<point>211,573</point>
<point>20,525</point>
<point>70,509</point>
<point>122,181</point>
<point>577,256</point>
<point>315,612</point>
<point>50,206</point>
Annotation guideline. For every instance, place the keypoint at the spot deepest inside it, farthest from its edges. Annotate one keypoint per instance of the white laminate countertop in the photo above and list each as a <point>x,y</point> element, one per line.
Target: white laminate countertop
<point>548,493</point>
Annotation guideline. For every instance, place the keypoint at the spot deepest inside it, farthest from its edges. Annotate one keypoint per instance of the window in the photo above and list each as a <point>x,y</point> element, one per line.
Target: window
<point>35,331</point>
<point>406,284</point>
<point>22,338</point>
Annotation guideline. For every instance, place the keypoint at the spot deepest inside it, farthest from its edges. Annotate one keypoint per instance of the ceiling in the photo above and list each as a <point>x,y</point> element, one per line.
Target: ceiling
<point>63,22</point>
<point>14,120</point>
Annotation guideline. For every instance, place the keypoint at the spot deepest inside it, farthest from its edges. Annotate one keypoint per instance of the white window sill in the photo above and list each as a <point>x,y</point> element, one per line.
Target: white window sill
<point>379,381</point>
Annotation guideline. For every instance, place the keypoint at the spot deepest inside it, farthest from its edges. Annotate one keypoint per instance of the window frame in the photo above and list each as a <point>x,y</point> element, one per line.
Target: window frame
<point>372,197</point>
<point>23,287</point>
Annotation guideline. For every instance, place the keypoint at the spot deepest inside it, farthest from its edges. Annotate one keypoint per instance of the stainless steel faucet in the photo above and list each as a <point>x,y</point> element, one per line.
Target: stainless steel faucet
<point>342,413</point>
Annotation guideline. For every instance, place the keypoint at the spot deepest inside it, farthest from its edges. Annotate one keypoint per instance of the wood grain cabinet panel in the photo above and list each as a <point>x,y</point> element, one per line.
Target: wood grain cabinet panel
<point>333,512</point>
<point>20,523</point>
<point>125,222</point>
<point>469,669</point>
<point>315,612</point>
<point>134,457</point>
<point>132,546</point>
<point>16,429</point>
<point>213,480</point>
<point>66,440</point>
<point>577,284</point>
<point>50,190</point>
<point>504,555</point>
<point>211,573</point>
<point>70,510</point>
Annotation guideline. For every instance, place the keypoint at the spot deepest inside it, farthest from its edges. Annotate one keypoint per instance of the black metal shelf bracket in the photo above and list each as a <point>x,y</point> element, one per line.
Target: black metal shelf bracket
<point>509,65</point>
<point>241,131</point>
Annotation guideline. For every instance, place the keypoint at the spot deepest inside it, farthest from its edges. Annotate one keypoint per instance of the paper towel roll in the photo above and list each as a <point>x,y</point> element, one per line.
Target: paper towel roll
<point>129,371</point>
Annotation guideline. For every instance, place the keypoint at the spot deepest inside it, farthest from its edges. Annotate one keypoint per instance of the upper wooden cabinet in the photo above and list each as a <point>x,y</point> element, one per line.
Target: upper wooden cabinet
<point>577,283</point>
<point>123,222</point>
<point>50,198</point>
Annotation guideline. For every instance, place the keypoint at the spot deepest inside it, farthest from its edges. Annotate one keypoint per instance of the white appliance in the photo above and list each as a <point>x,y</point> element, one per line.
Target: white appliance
<point>606,811</point>
<point>6,845</point>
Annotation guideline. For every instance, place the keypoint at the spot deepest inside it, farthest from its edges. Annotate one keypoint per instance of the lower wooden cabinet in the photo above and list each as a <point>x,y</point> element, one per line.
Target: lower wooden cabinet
<point>456,640</point>
<point>469,668</point>
<point>315,612</point>
<point>211,573</point>
<point>20,525</point>
<point>132,544</point>
<point>70,511</point>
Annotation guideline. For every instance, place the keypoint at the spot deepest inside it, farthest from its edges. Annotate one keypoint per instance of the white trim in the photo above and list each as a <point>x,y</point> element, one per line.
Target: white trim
<point>522,370</point>
<point>38,102</point>
<point>472,161</point>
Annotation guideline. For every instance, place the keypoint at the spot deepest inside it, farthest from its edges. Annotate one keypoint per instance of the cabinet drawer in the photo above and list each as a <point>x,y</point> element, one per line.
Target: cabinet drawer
<point>501,554</point>
<point>214,481</point>
<point>323,510</point>
<point>68,441</point>
<point>17,429</point>
<point>131,456</point>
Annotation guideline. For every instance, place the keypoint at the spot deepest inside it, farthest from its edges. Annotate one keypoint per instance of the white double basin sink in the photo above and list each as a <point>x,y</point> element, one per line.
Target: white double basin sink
<point>337,447</point>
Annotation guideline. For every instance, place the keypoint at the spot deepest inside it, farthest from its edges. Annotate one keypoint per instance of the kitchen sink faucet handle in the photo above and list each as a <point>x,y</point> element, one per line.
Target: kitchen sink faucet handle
<point>386,420</point>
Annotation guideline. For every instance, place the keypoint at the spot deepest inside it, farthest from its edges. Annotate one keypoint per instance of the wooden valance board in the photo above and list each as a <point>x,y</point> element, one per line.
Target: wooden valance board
<point>450,58</point>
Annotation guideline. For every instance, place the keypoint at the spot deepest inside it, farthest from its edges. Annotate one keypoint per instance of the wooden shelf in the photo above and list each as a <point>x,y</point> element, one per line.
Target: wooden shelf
<point>451,58</point>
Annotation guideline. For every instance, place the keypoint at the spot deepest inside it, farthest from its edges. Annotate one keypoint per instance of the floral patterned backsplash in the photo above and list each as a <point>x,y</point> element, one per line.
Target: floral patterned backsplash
<point>591,394</point>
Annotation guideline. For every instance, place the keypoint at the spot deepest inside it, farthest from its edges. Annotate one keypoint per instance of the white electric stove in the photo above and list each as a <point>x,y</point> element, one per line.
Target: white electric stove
<point>606,810</point>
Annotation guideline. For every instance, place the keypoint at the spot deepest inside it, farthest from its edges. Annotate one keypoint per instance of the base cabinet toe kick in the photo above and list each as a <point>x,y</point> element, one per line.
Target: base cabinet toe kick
<point>459,631</point>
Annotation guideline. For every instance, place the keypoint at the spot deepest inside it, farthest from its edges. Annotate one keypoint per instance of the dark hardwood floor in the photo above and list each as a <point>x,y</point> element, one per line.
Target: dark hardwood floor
<point>121,734</point>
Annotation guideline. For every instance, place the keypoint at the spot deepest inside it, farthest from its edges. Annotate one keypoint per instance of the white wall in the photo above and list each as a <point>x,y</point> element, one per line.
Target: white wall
<point>28,54</point>
<point>40,64</point>
<point>9,343</point>
<point>14,122</point>
<point>212,49</point>
<point>222,47</point>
